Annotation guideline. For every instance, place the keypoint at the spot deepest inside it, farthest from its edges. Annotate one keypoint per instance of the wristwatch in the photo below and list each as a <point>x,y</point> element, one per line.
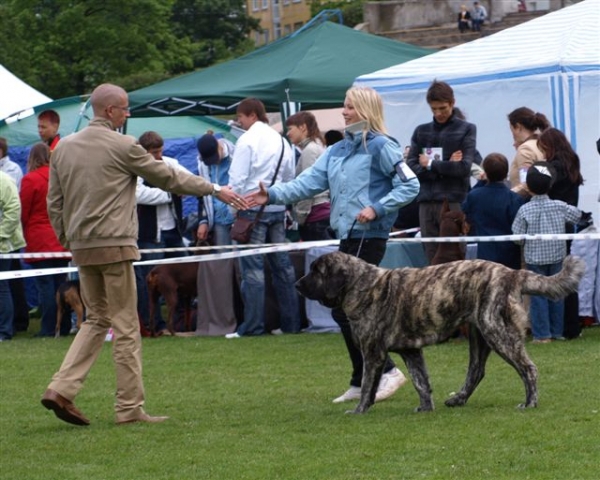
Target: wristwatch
<point>216,189</point>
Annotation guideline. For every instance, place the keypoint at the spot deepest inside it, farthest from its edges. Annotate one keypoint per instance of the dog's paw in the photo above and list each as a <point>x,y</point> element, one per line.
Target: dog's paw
<point>455,401</point>
<point>523,406</point>
<point>358,410</point>
<point>424,408</point>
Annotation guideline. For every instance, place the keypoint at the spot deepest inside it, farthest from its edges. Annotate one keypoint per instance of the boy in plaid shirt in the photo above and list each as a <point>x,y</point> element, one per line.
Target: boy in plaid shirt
<point>544,216</point>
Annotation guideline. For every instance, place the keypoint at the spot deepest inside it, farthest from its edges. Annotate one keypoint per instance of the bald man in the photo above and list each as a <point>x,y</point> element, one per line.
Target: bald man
<point>92,207</point>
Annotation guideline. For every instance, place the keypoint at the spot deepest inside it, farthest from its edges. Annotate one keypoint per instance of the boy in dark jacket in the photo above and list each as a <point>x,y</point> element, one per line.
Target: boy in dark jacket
<point>491,208</point>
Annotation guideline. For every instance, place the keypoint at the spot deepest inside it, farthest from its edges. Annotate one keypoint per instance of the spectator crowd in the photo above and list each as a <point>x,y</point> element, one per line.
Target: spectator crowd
<point>356,186</point>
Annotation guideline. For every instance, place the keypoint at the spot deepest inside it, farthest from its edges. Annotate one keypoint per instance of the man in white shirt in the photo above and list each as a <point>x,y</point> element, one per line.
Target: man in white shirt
<point>12,169</point>
<point>17,285</point>
<point>257,153</point>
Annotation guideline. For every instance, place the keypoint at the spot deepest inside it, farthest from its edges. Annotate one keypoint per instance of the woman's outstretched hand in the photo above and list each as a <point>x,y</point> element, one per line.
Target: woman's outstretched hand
<point>259,197</point>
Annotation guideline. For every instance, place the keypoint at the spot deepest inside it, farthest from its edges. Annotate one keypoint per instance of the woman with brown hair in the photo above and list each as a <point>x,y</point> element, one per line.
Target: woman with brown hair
<point>40,237</point>
<point>311,214</point>
<point>558,151</point>
<point>525,126</point>
<point>560,154</point>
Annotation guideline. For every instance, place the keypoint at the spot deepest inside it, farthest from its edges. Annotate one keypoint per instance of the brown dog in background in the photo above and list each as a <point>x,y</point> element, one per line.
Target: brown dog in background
<point>68,298</point>
<point>453,223</point>
<point>172,282</point>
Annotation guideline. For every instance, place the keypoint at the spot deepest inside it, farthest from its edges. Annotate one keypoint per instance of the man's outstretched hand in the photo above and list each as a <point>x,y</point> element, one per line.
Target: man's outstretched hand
<point>228,196</point>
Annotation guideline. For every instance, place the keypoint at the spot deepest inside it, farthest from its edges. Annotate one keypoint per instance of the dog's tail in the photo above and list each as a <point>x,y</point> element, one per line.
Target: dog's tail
<point>557,286</point>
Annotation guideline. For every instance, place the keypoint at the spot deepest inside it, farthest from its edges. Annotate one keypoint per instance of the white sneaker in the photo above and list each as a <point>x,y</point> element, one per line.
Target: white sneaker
<point>353,393</point>
<point>389,383</point>
<point>233,335</point>
<point>277,331</point>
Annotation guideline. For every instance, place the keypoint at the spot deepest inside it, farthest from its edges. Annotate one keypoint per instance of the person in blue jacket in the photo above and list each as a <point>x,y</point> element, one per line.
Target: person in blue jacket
<point>368,182</point>
<point>491,208</point>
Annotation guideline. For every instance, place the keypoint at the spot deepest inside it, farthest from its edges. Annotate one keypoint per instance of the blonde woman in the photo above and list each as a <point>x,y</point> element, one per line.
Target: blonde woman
<point>368,182</point>
<point>525,126</point>
<point>312,214</point>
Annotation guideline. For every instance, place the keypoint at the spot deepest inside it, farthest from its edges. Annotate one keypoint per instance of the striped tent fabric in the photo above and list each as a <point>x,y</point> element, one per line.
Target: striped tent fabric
<point>550,64</point>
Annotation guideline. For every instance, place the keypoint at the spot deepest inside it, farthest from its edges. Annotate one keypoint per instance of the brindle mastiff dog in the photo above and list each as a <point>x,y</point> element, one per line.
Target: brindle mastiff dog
<point>405,309</point>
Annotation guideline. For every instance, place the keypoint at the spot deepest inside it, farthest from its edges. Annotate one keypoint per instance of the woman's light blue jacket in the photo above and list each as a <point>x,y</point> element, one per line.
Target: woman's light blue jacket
<point>358,175</point>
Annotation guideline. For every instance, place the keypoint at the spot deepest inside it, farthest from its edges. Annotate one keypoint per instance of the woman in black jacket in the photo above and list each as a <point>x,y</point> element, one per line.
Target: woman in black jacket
<point>464,19</point>
<point>558,151</point>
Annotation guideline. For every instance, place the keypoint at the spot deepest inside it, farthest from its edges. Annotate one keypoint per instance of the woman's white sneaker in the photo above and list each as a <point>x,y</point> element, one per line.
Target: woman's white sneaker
<point>389,383</point>
<point>353,393</point>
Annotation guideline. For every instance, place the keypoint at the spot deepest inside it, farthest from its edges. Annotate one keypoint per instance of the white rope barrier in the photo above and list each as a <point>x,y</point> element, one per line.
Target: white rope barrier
<point>238,251</point>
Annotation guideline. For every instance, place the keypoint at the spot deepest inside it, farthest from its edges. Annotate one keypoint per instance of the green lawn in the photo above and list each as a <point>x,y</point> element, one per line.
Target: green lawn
<point>260,408</point>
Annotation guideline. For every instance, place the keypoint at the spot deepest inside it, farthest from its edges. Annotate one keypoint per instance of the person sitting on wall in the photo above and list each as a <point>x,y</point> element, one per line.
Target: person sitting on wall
<point>464,19</point>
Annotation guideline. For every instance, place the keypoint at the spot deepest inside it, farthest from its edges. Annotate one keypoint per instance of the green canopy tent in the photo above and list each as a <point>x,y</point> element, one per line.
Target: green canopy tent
<point>180,133</point>
<point>313,67</point>
<point>75,113</point>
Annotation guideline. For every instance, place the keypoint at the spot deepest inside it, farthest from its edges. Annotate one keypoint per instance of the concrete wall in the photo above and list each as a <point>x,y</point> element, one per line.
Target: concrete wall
<point>405,14</point>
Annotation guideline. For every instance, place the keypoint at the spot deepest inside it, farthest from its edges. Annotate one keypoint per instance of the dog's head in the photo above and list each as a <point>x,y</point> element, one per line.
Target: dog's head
<point>453,223</point>
<point>328,278</point>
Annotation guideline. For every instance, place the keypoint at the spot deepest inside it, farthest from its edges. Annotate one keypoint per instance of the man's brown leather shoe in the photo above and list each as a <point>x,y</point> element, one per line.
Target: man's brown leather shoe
<point>143,417</point>
<point>63,408</point>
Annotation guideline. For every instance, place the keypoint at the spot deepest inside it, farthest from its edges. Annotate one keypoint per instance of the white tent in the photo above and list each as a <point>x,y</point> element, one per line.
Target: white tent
<point>16,95</point>
<point>550,64</point>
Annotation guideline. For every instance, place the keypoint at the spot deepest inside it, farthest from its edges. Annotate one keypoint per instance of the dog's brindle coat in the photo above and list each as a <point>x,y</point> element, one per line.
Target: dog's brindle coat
<point>405,309</point>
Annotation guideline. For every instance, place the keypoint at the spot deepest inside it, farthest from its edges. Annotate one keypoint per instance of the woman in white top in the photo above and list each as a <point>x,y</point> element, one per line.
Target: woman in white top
<point>525,126</point>
<point>311,214</point>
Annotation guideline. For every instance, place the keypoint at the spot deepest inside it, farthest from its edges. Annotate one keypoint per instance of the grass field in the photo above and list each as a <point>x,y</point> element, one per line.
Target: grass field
<point>260,408</point>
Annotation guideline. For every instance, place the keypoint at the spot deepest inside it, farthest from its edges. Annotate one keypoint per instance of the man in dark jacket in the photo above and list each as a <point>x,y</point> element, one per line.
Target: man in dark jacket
<point>441,155</point>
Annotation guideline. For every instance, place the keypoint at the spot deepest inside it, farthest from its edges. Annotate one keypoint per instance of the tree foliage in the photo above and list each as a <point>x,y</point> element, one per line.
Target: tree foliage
<point>66,47</point>
<point>218,29</point>
<point>352,10</point>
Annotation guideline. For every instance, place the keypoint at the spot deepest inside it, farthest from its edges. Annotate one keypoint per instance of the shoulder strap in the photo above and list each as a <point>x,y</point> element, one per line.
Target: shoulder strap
<point>262,207</point>
<point>279,162</point>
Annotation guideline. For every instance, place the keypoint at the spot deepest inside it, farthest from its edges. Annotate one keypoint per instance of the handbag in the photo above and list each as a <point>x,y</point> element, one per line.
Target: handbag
<point>242,227</point>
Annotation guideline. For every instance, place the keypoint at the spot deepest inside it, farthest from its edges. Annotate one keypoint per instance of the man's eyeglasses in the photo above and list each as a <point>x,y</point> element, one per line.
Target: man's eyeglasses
<point>125,109</point>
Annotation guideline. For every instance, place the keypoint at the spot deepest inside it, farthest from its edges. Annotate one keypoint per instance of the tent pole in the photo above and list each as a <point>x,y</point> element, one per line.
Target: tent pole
<point>288,108</point>
<point>81,114</point>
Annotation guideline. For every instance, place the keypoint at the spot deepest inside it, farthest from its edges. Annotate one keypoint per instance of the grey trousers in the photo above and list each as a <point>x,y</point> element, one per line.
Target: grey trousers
<point>215,315</point>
